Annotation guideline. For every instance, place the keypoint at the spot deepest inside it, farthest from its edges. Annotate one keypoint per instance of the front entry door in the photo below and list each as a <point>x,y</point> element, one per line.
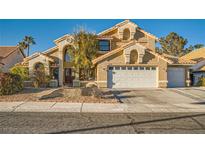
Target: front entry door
<point>68,76</point>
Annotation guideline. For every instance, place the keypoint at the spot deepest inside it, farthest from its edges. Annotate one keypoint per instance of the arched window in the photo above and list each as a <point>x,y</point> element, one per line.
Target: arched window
<point>39,66</point>
<point>67,57</point>
<point>133,57</point>
<point>126,34</point>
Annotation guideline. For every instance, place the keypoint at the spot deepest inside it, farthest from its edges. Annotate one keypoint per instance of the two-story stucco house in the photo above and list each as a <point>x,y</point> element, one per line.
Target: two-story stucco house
<point>127,60</point>
<point>9,56</point>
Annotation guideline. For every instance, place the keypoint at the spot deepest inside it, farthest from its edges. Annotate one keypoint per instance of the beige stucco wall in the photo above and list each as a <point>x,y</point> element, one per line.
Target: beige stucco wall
<point>102,67</point>
<point>40,59</point>
<point>143,39</point>
<point>118,59</point>
<point>11,60</point>
<point>57,54</point>
<point>54,53</point>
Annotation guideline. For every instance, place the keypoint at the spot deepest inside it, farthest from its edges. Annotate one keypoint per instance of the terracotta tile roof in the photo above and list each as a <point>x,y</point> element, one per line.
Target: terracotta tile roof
<point>123,23</point>
<point>1,63</point>
<point>36,55</point>
<point>105,37</point>
<point>61,38</point>
<point>112,52</point>
<point>196,55</point>
<point>161,56</point>
<point>178,60</point>
<point>182,61</point>
<point>202,68</point>
<point>114,27</point>
<point>147,33</point>
<point>125,46</point>
<point>7,50</point>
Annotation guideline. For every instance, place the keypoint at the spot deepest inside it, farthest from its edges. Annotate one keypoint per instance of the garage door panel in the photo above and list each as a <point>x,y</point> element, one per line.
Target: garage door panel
<point>132,78</point>
<point>176,77</point>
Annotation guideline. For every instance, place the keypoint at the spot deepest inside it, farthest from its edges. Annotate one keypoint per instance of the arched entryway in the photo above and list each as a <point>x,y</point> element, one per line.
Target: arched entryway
<point>39,67</point>
<point>67,64</point>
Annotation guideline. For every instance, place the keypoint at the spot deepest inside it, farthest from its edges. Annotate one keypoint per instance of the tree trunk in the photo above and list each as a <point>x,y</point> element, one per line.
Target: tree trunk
<point>28,51</point>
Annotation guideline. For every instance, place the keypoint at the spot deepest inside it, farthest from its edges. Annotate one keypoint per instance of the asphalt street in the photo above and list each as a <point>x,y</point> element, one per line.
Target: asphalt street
<point>99,123</point>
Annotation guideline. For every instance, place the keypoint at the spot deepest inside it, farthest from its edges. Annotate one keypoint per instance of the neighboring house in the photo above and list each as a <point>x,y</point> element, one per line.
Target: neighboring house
<point>1,66</point>
<point>9,56</point>
<point>197,70</point>
<point>127,60</point>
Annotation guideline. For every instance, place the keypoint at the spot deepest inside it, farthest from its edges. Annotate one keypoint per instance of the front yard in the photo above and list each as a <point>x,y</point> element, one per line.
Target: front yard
<point>68,95</point>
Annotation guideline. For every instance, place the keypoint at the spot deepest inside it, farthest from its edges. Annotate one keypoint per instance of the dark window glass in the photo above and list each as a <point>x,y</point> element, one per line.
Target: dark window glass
<point>135,68</point>
<point>153,68</point>
<point>39,66</point>
<point>117,67</point>
<point>123,68</point>
<point>147,68</point>
<point>129,68</point>
<point>141,68</point>
<point>104,45</point>
<point>67,56</point>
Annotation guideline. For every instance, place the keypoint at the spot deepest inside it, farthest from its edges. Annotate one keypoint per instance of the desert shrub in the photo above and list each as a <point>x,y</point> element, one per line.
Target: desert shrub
<point>94,92</point>
<point>10,83</point>
<point>201,82</point>
<point>21,71</point>
<point>40,78</point>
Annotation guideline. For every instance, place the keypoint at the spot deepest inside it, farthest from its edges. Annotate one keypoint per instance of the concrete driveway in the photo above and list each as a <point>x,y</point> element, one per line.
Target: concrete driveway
<point>165,100</point>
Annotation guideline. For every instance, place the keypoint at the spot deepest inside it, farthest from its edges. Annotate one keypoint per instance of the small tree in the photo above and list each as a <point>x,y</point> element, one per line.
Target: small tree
<point>21,71</point>
<point>83,50</point>
<point>10,83</point>
<point>201,81</point>
<point>40,79</point>
<point>174,44</point>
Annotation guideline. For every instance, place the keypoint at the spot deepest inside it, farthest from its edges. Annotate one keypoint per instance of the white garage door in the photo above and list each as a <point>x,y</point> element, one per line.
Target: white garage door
<point>132,77</point>
<point>176,77</point>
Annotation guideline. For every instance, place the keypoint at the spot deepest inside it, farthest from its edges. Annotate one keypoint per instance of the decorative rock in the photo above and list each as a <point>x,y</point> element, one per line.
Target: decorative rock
<point>91,85</point>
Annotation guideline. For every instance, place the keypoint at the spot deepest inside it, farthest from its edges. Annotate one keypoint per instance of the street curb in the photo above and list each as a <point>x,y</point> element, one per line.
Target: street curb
<point>83,108</point>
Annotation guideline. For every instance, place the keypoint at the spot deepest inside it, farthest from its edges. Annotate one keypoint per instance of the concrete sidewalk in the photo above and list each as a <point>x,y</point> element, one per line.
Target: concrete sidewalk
<point>90,107</point>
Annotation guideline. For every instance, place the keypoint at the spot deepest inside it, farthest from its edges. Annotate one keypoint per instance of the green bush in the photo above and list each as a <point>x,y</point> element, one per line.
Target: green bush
<point>10,83</point>
<point>201,82</point>
<point>40,79</point>
<point>21,71</point>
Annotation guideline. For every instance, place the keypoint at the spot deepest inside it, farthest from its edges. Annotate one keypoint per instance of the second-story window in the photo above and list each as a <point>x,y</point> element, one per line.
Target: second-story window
<point>66,56</point>
<point>104,45</point>
<point>126,34</point>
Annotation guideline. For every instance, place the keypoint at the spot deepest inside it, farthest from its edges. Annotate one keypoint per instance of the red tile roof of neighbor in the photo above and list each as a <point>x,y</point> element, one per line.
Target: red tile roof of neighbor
<point>7,50</point>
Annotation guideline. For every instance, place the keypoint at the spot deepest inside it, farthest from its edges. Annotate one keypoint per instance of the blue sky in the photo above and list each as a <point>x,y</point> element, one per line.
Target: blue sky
<point>45,31</point>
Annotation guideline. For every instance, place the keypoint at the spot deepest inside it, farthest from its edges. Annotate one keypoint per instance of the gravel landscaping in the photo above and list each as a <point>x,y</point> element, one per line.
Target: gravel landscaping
<point>69,95</point>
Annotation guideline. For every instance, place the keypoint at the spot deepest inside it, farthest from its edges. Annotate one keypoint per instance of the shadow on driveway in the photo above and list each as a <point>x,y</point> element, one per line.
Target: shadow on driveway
<point>198,103</point>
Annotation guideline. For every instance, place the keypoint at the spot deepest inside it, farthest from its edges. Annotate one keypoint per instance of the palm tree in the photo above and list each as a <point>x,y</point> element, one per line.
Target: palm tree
<point>82,51</point>
<point>22,45</point>
<point>29,40</point>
